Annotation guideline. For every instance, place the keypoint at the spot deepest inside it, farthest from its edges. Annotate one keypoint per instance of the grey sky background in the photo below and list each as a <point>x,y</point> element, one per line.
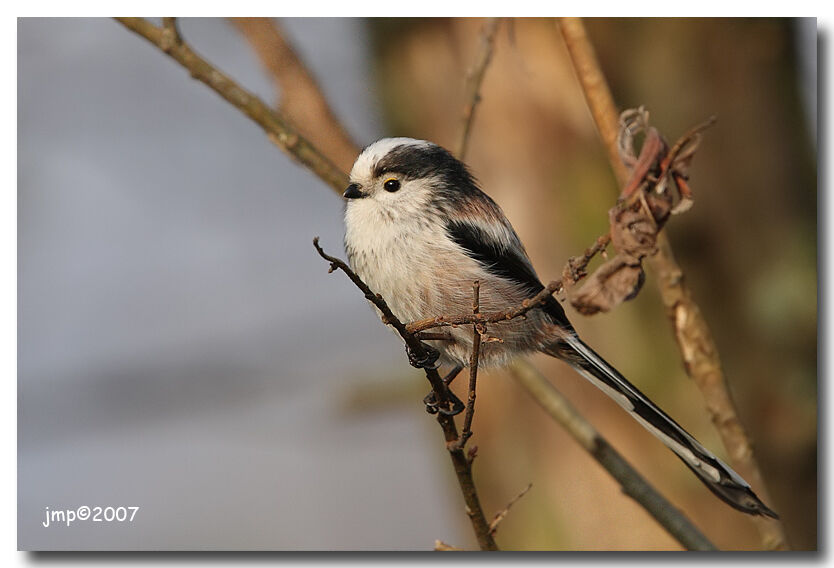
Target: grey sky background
<point>173,314</point>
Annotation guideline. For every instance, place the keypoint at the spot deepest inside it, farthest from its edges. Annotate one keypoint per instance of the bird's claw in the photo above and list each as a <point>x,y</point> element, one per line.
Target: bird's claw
<point>430,400</point>
<point>429,361</point>
<point>432,406</point>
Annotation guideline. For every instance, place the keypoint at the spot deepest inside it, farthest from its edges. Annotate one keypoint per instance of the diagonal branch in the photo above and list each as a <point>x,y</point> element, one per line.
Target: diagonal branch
<point>697,347</point>
<point>478,318</point>
<point>474,78</point>
<point>502,514</point>
<point>299,96</point>
<point>277,128</point>
<point>388,317</point>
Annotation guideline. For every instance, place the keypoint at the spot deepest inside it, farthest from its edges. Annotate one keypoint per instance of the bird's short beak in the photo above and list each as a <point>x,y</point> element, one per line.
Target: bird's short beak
<point>352,192</point>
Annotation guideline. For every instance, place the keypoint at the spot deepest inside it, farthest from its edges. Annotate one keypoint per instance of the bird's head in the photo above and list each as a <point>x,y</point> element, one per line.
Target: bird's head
<point>394,172</point>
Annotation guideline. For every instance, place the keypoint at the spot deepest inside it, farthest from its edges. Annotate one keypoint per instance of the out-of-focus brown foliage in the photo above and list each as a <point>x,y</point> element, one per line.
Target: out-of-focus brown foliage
<point>747,247</point>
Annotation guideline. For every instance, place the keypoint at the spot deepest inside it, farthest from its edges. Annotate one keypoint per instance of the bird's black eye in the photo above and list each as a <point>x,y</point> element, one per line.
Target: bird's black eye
<point>391,185</point>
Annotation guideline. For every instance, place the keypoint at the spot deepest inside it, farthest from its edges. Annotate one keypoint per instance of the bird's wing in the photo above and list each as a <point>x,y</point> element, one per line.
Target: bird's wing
<point>497,248</point>
<point>492,247</point>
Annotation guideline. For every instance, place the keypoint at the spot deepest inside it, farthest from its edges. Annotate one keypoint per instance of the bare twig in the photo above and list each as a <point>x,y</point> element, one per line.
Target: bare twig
<point>477,329</point>
<point>575,268</point>
<point>698,350</point>
<point>474,79</point>
<point>633,484</point>
<point>575,271</point>
<point>461,462</point>
<point>433,336</point>
<point>299,97</point>
<point>277,128</point>
<point>526,306</point>
<point>389,318</point>
<point>690,138</point>
<point>493,526</point>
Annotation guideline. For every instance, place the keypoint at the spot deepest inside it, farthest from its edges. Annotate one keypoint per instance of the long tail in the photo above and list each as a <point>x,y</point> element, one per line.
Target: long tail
<point>715,474</point>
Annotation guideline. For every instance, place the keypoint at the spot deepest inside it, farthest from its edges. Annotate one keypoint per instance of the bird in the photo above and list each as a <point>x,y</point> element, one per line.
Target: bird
<point>419,231</point>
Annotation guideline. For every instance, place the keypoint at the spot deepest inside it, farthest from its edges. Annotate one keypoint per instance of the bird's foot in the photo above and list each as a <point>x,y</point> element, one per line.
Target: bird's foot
<point>430,400</point>
<point>429,361</point>
<point>433,407</point>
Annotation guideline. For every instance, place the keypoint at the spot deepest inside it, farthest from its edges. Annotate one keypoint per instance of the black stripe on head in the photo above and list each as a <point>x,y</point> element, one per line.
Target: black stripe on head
<point>419,161</point>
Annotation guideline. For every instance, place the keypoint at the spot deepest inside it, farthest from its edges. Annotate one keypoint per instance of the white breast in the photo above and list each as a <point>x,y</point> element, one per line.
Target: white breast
<point>395,258</point>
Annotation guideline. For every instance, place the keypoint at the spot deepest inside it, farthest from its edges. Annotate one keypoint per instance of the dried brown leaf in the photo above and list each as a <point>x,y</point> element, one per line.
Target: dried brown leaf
<point>655,190</point>
<point>614,282</point>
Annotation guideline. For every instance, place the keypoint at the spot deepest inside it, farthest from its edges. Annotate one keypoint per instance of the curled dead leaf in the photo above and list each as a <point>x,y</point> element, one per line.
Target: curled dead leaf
<point>614,282</point>
<point>655,190</point>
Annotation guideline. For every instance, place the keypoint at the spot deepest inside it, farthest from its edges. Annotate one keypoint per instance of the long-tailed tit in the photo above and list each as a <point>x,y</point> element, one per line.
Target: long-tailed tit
<point>419,232</point>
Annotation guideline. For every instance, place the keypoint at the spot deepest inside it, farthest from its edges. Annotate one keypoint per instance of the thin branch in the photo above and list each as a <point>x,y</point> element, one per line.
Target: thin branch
<point>463,470</point>
<point>388,317</point>
<point>277,128</point>
<point>466,319</point>
<point>466,433</point>
<point>474,78</point>
<point>299,97</point>
<point>502,514</point>
<point>575,270</point>
<point>690,138</point>
<point>462,464</point>
<point>432,336</point>
<point>697,347</point>
<point>632,483</point>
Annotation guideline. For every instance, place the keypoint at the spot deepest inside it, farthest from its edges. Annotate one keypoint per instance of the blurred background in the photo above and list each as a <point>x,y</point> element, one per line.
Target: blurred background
<point>183,349</point>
